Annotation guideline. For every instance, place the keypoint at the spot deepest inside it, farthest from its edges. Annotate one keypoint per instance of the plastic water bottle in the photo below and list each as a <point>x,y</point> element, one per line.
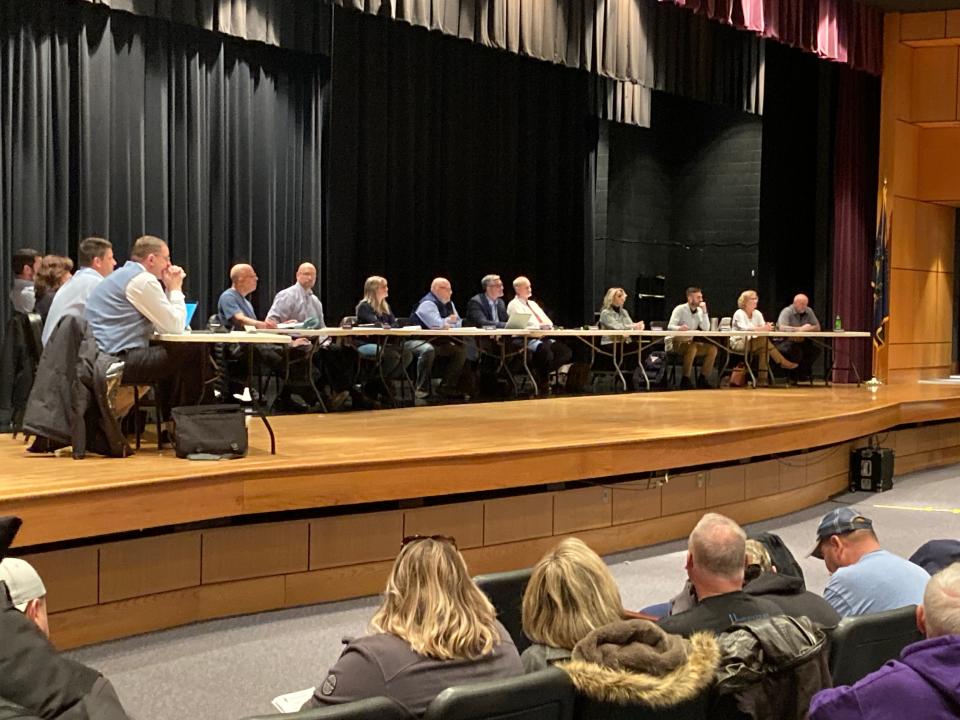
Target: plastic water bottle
<point>837,325</point>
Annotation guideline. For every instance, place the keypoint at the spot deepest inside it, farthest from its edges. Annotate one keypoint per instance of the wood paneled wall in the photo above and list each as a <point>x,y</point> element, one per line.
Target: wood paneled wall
<point>109,590</point>
<point>920,157</point>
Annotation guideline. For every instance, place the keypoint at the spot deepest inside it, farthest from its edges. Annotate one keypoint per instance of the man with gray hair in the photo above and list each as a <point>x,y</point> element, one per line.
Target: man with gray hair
<point>923,682</point>
<point>716,555</point>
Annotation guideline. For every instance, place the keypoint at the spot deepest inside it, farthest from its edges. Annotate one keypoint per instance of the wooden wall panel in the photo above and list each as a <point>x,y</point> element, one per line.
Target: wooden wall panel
<point>793,472</point>
<point>517,518</point>
<point>336,583</point>
<point>762,478</point>
<point>923,26</point>
<point>920,355</point>
<point>147,566</point>
<point>726,485</point>
<point>905,252</point>
<point>636,500</point>
<point>235,553</point>
<point>904,290</point>
<point>683,493</point>
<point>463,521</point>
<point>938,159</point>
<point>70,577</point>
<point>581,509</point>
<point>355,539</point>
<point>953,24</point>
<point>934,84</point>
<point>905,182</point>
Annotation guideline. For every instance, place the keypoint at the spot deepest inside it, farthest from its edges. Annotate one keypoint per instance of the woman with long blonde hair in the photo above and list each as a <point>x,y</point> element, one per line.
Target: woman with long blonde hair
<point>434,629</point>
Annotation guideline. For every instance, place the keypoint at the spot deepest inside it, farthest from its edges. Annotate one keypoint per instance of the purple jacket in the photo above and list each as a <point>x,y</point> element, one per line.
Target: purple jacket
<point>923,683</point>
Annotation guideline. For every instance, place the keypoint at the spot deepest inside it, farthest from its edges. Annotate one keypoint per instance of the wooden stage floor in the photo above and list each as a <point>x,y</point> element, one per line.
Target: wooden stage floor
<point>366,457</point>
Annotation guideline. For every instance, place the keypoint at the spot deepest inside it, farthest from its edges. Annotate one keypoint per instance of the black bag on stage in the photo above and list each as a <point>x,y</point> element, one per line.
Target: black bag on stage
<point>205,432</point>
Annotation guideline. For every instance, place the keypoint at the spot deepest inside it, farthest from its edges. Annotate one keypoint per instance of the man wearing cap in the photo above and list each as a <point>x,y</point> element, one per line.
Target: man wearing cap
<point>864,578</point>
<point>68,689</point>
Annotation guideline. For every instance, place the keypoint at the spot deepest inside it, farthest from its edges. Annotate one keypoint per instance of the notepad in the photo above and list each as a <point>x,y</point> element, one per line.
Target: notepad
<point>292,701</point>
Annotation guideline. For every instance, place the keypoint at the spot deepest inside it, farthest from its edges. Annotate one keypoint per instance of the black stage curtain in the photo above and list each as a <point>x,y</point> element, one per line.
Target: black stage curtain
<point>118,125</point>
<point>449,159</point>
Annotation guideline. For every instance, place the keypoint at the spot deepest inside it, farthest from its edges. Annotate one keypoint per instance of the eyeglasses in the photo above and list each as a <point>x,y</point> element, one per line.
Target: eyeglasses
<point>417,538</point>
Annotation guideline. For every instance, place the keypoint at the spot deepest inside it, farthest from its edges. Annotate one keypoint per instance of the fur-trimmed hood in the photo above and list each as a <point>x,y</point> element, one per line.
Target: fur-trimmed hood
<point>661,670</point>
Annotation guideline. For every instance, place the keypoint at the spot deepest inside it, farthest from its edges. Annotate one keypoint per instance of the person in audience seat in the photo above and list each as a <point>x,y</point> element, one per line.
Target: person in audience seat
<point>716,560</point>
<point>764,580</point>
<point>55,271</point>
<point>35,680</point>
<point>924,682</point>
<point>25,263</point>
<point>96,262</point>
<point>864,578</point>
<point>434,629</point>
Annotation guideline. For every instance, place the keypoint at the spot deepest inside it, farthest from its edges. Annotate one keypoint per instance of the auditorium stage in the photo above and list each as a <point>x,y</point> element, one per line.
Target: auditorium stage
<point>366,457</point>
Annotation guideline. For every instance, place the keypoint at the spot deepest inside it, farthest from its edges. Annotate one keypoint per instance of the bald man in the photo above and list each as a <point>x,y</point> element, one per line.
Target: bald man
<point>436,311</point>
<point>234,307</point>
<point>799,318</point>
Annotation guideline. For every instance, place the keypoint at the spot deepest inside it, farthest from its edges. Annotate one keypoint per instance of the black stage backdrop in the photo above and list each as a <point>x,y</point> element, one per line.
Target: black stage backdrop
<point>449,159</point>
<point>118,125</point>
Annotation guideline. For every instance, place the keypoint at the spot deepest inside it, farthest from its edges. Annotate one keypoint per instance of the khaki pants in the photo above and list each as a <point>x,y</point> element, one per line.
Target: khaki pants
<point>690,350</point>
<point>764,349</point>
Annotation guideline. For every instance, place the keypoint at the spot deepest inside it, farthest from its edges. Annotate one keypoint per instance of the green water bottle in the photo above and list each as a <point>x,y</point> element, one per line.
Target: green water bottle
<point>837,325</point>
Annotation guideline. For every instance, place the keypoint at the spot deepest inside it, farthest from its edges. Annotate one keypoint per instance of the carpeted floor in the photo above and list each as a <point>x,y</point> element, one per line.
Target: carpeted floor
<point>230,669</point>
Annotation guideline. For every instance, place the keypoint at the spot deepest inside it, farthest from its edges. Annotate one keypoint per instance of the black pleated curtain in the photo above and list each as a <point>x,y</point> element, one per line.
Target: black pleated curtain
<point>451,159</point>
<point>118,125</point>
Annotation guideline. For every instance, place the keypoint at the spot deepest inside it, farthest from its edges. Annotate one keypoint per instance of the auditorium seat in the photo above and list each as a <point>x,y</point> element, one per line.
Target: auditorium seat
<point>379,707</point>
<point>543,695</point>
<point>505,590</point>
<point>589,709</point>
<point>860,645</point>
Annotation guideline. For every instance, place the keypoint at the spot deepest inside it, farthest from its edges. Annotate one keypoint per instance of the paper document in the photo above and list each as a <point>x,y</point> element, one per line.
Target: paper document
<point>292,701</point>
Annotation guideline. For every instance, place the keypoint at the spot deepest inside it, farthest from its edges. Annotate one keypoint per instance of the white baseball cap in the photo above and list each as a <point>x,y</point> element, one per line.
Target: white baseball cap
<point>22,581</point>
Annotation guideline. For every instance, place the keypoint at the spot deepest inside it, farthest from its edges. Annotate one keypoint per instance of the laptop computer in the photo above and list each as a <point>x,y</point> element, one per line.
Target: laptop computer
<point>191,309</point>
<point>517,321</point>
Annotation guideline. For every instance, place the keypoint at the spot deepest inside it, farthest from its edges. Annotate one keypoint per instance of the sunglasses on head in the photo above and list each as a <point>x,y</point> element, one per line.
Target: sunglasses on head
<point>416,538</point>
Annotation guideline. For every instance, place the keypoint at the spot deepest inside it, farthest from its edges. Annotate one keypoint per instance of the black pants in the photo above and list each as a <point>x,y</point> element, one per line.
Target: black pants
<point>337,365</point>
<point>177,369</point>
<point>549,356</point>
<point>802,352</point>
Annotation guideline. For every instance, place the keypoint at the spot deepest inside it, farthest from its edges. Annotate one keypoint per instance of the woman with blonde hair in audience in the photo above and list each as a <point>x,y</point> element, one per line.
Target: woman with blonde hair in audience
<point>573,612</point>
<point>749,318</point>
<point>434,629</point>
<point>54,272</point>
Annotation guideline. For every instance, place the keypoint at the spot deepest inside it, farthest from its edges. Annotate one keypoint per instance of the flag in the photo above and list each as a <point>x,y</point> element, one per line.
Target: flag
<point>881,277</point>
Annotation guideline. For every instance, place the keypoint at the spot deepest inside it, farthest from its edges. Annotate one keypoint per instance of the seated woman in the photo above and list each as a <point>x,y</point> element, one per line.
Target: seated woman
<point>749,318</point>
<point>614,316</point>
<point>373,309</point>
<point>54,271</point>
<point>434,629</point>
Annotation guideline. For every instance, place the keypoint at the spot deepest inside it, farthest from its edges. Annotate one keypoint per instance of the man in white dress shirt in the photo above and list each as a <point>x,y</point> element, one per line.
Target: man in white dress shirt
<point>547,354</point>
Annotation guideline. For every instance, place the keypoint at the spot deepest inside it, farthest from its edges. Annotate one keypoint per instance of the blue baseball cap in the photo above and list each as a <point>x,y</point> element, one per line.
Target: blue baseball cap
<point>837,522</point>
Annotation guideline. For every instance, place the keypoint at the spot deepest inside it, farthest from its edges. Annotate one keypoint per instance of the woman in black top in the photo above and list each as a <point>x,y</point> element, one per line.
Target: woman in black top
<point>374,310</point>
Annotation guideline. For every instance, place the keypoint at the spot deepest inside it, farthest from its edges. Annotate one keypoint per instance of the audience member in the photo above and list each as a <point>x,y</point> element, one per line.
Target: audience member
<point>54,272</point>
<point>548,355</point>
<point>434,629</point>
<point>934,555</point>
<point>716,559</point>
<point>374,309</point>
<point>337,363</point>
<point>35,680</point>
<point>436,311</point>
<point>749,318</point>
<point>692,315</point>
<point>763,579</point>
<point>796,319</point>
<point>25,264</point>
<point>95,256</point>
<point>864,578</point>
<point>571,593</point>
<point>125,309</point>
<point>923,683</point>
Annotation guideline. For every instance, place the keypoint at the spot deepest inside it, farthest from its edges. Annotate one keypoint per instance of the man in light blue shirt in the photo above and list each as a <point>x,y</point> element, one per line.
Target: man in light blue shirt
<point>95,256</point>
<point>436,311</point>
<point>864,577</point>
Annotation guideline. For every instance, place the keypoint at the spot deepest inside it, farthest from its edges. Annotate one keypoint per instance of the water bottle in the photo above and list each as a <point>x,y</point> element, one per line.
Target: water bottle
<point>837,325</point>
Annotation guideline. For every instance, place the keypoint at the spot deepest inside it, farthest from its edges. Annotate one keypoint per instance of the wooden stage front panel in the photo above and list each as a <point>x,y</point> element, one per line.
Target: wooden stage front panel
<point>618,471</point>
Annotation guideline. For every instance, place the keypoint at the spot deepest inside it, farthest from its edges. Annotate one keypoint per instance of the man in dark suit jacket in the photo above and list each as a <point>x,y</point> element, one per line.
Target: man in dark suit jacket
<point>488,308</point>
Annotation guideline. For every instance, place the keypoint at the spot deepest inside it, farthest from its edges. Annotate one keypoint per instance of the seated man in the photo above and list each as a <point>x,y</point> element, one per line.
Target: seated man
<point>96,262</point>
<point>547,354</point>
<point>798,318</point>
<point>487,308</point>
<point>436,311</point>
<point>788,591</point>
<point>337,363</point>
<point>864,578</point>
<point>692,315</point>
<point>25,265</point>
<point>923,682</point>
<point>68,689</point>
<point>716,557</point>
<point>125,310</point>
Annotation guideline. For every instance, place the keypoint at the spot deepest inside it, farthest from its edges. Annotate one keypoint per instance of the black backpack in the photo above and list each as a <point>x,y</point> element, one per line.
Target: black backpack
<point>655,365</point>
